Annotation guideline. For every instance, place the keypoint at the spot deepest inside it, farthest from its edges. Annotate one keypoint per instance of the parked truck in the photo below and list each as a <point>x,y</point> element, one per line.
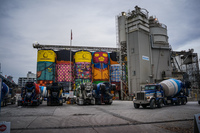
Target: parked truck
<point>167,92</point>
<point>84,93</point>
<point>30,95</point>
<point>54,95</point>
<point>103,93</point>
<point>8,95</point>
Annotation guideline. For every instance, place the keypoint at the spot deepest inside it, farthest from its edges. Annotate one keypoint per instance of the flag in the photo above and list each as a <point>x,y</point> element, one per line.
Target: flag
<point>71,34</point>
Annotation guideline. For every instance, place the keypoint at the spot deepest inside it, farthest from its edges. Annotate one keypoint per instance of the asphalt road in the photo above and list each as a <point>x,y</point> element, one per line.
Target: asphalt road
<point>119,117</point>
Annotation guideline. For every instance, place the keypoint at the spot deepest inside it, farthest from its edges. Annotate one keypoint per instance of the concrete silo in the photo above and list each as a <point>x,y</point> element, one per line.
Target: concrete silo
<point>160,50</point>
<point>145,43</point>
<point>138,47</point>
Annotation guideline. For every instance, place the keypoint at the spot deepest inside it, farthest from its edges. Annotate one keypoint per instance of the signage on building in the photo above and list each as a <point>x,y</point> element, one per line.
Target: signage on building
<point>145,58</point>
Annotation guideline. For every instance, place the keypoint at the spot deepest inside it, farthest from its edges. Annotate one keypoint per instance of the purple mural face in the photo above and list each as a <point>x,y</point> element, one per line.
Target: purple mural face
<point>100,57</point>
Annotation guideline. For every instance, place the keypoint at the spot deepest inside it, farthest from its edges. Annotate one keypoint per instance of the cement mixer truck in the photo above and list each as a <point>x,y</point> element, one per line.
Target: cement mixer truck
<point>103,93</point>
<point>167,92</point>
<point>84,94</point>
<point>30,95</point>
<point>8,95</point>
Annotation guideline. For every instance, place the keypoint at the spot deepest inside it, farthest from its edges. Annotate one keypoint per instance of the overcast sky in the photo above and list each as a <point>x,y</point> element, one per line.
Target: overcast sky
<point>22,22</point>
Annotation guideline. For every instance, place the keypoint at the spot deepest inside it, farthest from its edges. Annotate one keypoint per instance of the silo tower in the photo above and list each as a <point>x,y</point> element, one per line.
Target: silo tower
<point>133,32</point>
<point>160,50</point>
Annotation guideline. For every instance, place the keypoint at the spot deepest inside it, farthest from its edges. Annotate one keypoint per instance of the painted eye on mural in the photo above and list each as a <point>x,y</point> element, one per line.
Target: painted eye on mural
<point>96,55</point>
<point>105,55</point>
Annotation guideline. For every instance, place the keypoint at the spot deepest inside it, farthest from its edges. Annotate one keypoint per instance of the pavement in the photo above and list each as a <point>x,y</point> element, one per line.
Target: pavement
<point>119,117</point>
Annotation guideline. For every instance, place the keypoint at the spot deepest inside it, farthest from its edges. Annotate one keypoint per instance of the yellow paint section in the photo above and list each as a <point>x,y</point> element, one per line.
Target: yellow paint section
<point>83,56</point>
<point>105,54</point>
<point>46,55</point>
<point>101,58</point>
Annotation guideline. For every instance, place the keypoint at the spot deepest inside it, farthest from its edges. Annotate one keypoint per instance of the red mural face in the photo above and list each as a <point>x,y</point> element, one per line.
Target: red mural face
<point>100,57</point>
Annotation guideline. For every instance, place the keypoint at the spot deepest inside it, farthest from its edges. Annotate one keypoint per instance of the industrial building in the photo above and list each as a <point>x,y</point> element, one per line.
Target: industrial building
<point>22,80</point>
<point>144,51</point>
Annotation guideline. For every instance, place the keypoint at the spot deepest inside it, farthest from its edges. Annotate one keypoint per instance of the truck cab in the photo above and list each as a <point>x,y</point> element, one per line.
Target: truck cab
<point>152,95</point>
<point>30,95</point>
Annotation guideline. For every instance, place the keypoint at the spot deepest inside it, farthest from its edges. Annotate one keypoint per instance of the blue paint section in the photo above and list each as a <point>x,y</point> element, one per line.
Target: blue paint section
<point>174,87</point>
<point>179,84</point>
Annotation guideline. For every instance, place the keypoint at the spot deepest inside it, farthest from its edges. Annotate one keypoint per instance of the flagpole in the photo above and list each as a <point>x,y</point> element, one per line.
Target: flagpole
<point>70,63</point>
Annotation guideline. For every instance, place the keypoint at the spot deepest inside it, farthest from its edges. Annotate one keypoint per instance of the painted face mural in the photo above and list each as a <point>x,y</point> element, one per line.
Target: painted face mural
<point>83,68</point>
<point>83,56</point>
<point>46,55</point>
<point>100,57</point>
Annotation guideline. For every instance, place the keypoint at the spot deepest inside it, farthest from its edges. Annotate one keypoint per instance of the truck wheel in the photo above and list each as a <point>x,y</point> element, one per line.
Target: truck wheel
<point>152,104</point>
<point>178,102</point>
<point>183,101</point>
<point>108,103</point>
<point>160,103</point>
<point>199,102</point>
<point>37,103</point>
<point>144,106</point>
<point>136,105</point>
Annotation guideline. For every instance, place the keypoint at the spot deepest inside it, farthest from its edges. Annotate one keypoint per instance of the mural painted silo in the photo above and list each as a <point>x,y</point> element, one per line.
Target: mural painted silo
<point>64,68</point>
<point>100,67</point>
<point>64,72</point>
<point>115,73</point>
<point>83,67</point>
<point>45,67</point>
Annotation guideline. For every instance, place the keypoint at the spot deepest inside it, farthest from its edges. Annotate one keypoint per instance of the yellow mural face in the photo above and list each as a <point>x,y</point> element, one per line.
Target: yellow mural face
<point>101,58</point>
<point>83,56</point>
<point>46,55</point>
